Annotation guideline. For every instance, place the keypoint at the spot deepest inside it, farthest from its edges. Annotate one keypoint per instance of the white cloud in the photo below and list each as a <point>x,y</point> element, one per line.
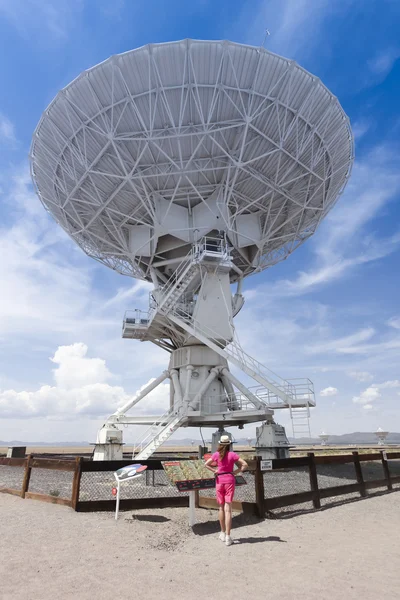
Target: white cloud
<point>6,129</point>
<point>360,128</point>
<point>394,322</point>
<point>368,396</point>
<point>80,388</point>
<point>75,369</point>
<point>383,62</point>
<point>362,376</point>
<point>329,391</point>
<point>344,240</point>
<point>368,407</point>
<point>373,393</point>
<point>342,345</point>
<point>387,385</point>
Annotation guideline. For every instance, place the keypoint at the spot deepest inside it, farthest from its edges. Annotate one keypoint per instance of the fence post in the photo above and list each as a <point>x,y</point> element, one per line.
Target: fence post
<point>386,470</point>
<point>76,482</point>
<point>314,480</point>
<point>27,476</point>
<point>259,488</point>
<point>359,475</point>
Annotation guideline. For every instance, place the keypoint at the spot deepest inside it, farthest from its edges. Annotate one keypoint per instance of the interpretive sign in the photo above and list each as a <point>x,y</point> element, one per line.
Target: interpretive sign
<point>190,475</point>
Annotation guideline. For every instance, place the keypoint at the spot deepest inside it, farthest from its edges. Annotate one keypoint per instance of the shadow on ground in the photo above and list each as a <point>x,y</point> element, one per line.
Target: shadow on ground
<point>148,518</point>
<point>212,527</point>
<point>256,540</point>
<point>290,514</point>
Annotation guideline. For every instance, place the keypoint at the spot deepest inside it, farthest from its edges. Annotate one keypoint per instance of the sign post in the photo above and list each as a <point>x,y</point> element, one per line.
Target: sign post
<point>189,476</point>
<point>192,508</point>
<point>126,474</point>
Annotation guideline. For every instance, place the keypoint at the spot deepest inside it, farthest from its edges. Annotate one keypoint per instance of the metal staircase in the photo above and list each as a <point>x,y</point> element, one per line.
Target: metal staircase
<point>177,287</point>
<point>276,390</point>
<point>157,434</point>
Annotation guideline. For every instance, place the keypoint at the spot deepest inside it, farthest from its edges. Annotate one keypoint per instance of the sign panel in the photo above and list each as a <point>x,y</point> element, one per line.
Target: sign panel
<point>129,472</point>
<point>190,475</point>
<point>266,465</point>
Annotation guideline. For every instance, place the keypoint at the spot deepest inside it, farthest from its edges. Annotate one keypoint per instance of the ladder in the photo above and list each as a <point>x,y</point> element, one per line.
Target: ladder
<point>157,434</point>
<point>300,417</point>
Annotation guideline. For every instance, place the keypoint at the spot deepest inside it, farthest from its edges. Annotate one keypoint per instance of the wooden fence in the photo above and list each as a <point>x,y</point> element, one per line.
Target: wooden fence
<point>258,482</point>
<point>316,493</point>
<point>30,463</point>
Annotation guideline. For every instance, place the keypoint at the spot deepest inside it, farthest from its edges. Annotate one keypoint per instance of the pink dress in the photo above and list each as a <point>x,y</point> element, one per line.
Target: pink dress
<point>225,484</point>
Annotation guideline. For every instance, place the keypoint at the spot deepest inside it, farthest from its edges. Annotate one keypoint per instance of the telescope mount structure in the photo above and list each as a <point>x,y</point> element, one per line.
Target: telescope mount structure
<point>193,165</point>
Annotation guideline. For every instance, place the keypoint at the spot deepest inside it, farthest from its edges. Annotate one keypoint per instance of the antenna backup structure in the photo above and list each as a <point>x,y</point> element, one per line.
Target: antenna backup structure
<point>192,165</point>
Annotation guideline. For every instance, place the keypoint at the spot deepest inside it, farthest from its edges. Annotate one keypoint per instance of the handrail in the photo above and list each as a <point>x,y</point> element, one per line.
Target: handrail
<point>160,424</point>
<point>233,349</point>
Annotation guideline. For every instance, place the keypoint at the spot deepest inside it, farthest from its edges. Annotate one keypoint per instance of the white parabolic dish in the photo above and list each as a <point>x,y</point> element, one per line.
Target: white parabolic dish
<point>152,149</point>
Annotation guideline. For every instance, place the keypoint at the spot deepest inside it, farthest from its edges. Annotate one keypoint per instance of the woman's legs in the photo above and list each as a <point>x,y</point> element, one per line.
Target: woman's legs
<point>221,516</point>
<point>228,517</point>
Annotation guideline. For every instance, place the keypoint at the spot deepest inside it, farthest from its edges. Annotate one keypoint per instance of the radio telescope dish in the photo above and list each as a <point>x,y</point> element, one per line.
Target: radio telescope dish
<point>147,152</point>
<point>193,164</point>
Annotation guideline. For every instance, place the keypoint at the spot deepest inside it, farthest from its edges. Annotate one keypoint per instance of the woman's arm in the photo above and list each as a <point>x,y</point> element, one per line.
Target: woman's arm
<point>208,465</point>
<point>242,464</point>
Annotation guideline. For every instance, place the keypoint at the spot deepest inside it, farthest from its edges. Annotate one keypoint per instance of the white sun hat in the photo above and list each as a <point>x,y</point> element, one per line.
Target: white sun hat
<point>225,439</point>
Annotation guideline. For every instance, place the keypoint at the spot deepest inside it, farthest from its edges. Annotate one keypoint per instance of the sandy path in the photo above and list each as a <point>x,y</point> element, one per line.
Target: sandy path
<point>48,551</point>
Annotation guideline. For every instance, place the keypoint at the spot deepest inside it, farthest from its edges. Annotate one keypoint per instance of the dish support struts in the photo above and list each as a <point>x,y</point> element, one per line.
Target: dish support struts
<point>191,316</point>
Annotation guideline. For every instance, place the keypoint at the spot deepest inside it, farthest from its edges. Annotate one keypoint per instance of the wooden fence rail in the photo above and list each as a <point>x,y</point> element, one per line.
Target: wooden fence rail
<point>28,464</point>
<point>315,494</point>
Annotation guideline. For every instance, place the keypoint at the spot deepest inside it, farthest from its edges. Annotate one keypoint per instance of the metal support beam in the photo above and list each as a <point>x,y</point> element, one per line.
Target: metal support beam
<point>149,388</point>
<point>196,400</point>
<point>253,399</point>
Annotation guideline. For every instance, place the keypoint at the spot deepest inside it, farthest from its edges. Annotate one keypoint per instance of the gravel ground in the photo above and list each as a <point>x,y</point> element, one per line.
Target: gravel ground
<point>48,551</point>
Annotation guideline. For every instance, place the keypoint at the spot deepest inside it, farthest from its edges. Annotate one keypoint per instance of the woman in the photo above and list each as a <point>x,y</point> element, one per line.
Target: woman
<point>225,483</point>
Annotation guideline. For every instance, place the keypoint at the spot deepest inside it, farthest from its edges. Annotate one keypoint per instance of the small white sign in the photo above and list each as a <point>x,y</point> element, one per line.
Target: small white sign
<point>266,465</point>
<point>384,454</point>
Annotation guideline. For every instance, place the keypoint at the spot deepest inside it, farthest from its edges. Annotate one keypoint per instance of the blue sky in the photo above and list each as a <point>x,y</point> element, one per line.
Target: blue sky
<point>330,312</point>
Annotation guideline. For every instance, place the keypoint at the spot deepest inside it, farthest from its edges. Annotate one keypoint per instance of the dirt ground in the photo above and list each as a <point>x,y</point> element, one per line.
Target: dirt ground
<point>349,552</point>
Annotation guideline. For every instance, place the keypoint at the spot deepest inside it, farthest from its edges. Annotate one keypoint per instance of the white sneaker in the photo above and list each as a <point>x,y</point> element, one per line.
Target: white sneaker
<point>222,536</point>
<point>228,540</point>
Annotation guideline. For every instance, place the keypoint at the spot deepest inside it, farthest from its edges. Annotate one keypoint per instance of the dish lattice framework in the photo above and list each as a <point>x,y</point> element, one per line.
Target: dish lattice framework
<point>145,153</point>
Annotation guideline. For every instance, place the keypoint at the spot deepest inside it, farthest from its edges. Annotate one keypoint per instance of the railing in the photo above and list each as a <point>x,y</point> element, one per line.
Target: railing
<point>207,247</point>
<point>310,479</point>
<point>301,390</point>
<point>233,349</point>
<point>222,404</point>
<point>136,317</point>
<point>156,428</point>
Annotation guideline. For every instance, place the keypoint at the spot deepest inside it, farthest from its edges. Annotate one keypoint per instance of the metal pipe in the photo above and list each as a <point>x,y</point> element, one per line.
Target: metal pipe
<point>233,403</point>
<point>235,268</point>
<point>170,261</point>
<point>177,388</point>
<point>142,394</point>
<point>253,399</point>
<point>154,278</point>
<point>239,287</point>
<point>196,400</point>
<point>189,370</point>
